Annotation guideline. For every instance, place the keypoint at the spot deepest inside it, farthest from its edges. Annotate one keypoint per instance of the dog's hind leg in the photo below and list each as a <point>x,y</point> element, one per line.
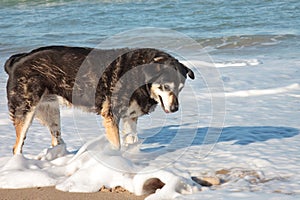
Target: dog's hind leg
<point>23,95</point>
<point>22,110</point>
<point>49,115</point>
<point>21,126</point>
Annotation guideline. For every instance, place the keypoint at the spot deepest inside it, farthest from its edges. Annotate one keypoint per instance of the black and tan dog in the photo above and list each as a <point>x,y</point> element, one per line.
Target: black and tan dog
<point>117,84</point>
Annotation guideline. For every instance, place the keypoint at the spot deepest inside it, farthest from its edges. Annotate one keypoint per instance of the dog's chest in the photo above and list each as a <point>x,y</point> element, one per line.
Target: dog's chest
<point>134,110</point>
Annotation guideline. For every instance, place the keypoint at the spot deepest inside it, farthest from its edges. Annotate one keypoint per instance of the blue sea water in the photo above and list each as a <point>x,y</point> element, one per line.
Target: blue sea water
<point>218,24</point>
<point>268,31</point>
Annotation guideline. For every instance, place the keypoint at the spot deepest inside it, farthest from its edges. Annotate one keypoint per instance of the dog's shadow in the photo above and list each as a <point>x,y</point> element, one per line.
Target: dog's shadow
<point>177,136</point>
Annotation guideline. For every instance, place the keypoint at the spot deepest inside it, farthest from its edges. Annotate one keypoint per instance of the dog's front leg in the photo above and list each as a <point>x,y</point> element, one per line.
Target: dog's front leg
<point>129,131</point>
<point>112,131</point>
<point>111,125</point>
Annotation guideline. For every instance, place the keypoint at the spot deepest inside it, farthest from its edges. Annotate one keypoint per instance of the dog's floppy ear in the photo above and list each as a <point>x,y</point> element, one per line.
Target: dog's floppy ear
<point>190,73</point>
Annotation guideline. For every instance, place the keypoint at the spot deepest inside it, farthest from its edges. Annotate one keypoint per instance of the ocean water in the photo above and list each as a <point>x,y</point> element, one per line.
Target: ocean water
<point>256,43</point>
<point>252,49</point>
<point>266,32</point>
<point>219,25</point>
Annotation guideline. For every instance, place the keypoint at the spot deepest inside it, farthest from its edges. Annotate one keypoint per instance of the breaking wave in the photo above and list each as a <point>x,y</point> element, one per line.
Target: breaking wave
<point>233,42</point>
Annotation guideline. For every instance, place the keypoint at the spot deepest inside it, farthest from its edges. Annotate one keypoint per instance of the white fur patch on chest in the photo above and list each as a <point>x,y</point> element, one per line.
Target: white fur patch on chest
<point>134,110</point>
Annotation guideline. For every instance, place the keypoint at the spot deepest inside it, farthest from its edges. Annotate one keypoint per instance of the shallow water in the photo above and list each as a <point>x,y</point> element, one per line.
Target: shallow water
<point>255,42</point>
<point>255,47</point>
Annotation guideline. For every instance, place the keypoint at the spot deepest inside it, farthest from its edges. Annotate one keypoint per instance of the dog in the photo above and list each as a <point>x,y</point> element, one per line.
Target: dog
<point>118,84</point>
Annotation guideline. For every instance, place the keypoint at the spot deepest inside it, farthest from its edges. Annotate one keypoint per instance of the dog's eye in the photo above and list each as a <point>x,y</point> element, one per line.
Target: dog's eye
<point>167,87</point>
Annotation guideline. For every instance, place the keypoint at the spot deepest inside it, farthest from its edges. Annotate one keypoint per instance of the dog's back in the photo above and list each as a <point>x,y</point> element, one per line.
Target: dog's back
<point>38,77</point>
<point>55,69</point>
<point>10,62</point>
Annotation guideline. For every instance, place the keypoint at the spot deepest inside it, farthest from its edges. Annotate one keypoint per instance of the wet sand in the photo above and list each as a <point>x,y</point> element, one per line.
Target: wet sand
<point>45,193</point>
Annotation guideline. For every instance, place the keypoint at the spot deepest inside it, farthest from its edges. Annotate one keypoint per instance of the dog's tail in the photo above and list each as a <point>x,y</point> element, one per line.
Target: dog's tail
<point>8,66</point>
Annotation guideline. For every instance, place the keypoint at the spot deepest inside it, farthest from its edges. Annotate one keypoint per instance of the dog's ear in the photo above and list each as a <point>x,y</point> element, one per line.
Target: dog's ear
<point>190,73</point>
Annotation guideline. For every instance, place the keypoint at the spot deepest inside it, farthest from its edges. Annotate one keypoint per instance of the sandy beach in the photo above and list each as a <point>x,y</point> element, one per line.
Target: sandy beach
<point>45,193</point>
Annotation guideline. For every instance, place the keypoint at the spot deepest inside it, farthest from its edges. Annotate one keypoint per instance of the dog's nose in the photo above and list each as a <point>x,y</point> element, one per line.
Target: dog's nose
<point>174,108</point>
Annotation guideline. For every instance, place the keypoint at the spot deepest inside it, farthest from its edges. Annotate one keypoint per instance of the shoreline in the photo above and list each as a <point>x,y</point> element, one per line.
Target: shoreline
<point>47,193</point>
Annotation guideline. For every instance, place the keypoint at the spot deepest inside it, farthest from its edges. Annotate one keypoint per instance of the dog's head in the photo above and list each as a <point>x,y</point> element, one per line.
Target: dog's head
<point>168,83</point>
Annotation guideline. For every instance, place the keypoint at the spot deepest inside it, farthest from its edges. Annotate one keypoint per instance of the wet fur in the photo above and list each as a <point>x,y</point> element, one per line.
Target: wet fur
<point>38,78</point>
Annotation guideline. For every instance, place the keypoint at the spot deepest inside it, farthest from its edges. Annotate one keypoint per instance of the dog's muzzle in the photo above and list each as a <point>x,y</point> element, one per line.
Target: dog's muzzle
<point>172,104</point>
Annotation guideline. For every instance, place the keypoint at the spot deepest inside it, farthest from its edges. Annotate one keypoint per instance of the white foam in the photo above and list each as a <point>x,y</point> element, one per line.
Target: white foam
<point>278,90</point>
<point>95,165</point>
<point>233,63</point>
<point>259,92</point>
<point>295,95</point>
<point>238,63</point>
<point>20,172</point>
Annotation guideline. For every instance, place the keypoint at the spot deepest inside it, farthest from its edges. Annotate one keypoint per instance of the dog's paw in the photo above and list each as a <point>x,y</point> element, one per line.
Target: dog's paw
<point>130,139</point>
<point>55,152</point>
